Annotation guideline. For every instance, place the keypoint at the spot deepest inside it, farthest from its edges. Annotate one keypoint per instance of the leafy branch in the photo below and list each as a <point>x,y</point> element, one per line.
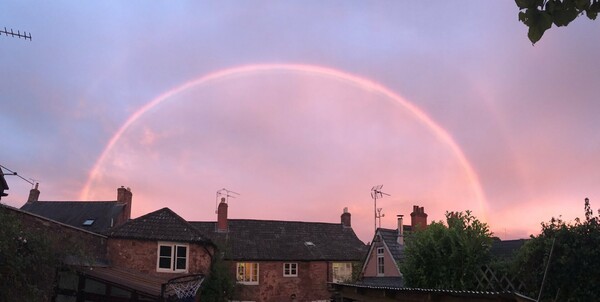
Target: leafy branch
<point>539,15</point>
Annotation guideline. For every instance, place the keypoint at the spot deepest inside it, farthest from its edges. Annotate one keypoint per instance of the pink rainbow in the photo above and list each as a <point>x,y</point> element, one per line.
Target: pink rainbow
<point>363,83</point>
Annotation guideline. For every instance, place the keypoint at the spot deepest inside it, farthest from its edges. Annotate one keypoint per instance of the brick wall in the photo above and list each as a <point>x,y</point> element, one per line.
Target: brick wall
<point>65,239</point>
<point>141,255</point>
<point>310,285</point>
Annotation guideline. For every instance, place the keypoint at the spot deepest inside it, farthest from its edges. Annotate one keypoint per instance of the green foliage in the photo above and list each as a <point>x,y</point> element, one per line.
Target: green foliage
<point>446,257</point>
<point>573,272</point>
<point>539,15</point>
<point>26,262</point>
<point>219,287</point>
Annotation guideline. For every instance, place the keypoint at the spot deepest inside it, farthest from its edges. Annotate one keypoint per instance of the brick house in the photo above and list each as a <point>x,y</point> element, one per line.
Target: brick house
<point>161,244</point>
<point>285,260</point>
<point>386,251</point>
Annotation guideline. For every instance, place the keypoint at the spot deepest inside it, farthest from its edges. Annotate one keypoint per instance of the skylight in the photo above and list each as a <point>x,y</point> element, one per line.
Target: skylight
<point>309,243</point>
<point>88,222</point>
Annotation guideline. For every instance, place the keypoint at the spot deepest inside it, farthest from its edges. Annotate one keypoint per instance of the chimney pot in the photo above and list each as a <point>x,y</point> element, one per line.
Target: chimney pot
<point>418,218</point>
<point>400,230</point>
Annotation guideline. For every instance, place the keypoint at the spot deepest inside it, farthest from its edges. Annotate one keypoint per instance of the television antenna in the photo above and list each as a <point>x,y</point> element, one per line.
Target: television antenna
<point>18,34</point>
<point>224,194</point>
<point>379,215</point>
<point>4,185</point>
<point>377,193</point>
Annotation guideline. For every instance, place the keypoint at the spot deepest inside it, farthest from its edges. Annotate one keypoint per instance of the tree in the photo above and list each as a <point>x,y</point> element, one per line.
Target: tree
<point>219,287</point>
<point>539,15</point>
<point>446,257</point>
<point>573,270</point>
<point>27,263</point>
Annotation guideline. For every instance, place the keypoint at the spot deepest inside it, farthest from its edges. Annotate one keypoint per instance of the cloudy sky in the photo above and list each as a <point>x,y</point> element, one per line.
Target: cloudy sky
<point>302,107</point>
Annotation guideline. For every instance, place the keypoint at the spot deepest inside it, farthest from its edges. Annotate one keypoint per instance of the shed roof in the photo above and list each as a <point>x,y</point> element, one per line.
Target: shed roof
<point>258,240</point>
<point>100,215</point>
<point>162,224</point>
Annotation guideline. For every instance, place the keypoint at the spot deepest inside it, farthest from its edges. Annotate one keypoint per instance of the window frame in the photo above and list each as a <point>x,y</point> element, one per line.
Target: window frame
<point>254,272</point>
<point>173,257</point>
<point>292,268</point>
<point>380,261</point>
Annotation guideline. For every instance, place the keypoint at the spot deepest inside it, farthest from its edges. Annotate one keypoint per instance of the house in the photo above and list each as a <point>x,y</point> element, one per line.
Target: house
<point>285,260</point>
<point>381,274</point>
<point>94,216</point>
<point>161,244</point>
<point>114,273</point>
<point>381,266</point>
<point>83,273</point>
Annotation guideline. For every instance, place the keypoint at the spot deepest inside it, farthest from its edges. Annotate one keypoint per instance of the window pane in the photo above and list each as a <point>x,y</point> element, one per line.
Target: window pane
<point>180,263</point>
<point>165,251</point>
<point>181,251</point>
<point>181,257</point>
<point>164,262</point>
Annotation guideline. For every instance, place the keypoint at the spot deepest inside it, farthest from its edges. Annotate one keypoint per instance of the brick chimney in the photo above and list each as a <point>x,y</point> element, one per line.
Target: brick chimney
<point>418,218</point>
<point>125,196</point>
<point>34,194</point>
<point>222,216</point>
<point>400,230</point>
<point>346,219</point>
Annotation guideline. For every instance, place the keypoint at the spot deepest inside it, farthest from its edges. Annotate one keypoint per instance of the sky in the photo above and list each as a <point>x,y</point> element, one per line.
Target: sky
<point>301,108</point>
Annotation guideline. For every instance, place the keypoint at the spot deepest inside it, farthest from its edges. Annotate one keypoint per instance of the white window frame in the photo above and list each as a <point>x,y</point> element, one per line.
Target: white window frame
<point>290,269</point>
<point>173,257</point>
<point>380,261</point>
<point>241,273</point>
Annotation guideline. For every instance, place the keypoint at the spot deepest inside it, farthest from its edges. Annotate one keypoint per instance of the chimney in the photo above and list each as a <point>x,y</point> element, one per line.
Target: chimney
<point>400,230</point>
<point>125,196</point>
<point>222,216</point>
<point>34,194</point>
<point>418,218</point>
<point>346,219</point>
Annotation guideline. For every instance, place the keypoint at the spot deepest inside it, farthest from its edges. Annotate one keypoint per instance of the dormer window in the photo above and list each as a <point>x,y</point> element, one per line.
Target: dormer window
<point>89,222</point>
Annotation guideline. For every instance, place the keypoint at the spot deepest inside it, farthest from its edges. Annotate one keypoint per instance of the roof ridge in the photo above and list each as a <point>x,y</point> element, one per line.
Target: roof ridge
<point>271,220</point>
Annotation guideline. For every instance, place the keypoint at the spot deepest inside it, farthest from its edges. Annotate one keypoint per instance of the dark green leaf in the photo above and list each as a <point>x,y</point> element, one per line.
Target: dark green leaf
<point>563,15</point>
<point>538,23</point>
<point>591,14</point>
<point>582,4</point>
<point>523,4</point>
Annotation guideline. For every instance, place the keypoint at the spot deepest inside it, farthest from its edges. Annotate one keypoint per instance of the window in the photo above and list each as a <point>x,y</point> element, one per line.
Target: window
<point>290,269</point>
<point>88,222</point>
<point>172,257</point>
<point>247,273</point>
<point>342,272</point>
<point>380,261</point>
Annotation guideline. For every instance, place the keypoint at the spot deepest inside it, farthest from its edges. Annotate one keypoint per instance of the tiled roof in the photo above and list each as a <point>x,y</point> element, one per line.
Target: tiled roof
<point>390,282</point>
<point>285,240</point>
<point>142,283</point>
<point>506,248</point>
<point>75,213</point>
<point>390,237</point>
<point>163,224</point>
<point>491,296</point>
